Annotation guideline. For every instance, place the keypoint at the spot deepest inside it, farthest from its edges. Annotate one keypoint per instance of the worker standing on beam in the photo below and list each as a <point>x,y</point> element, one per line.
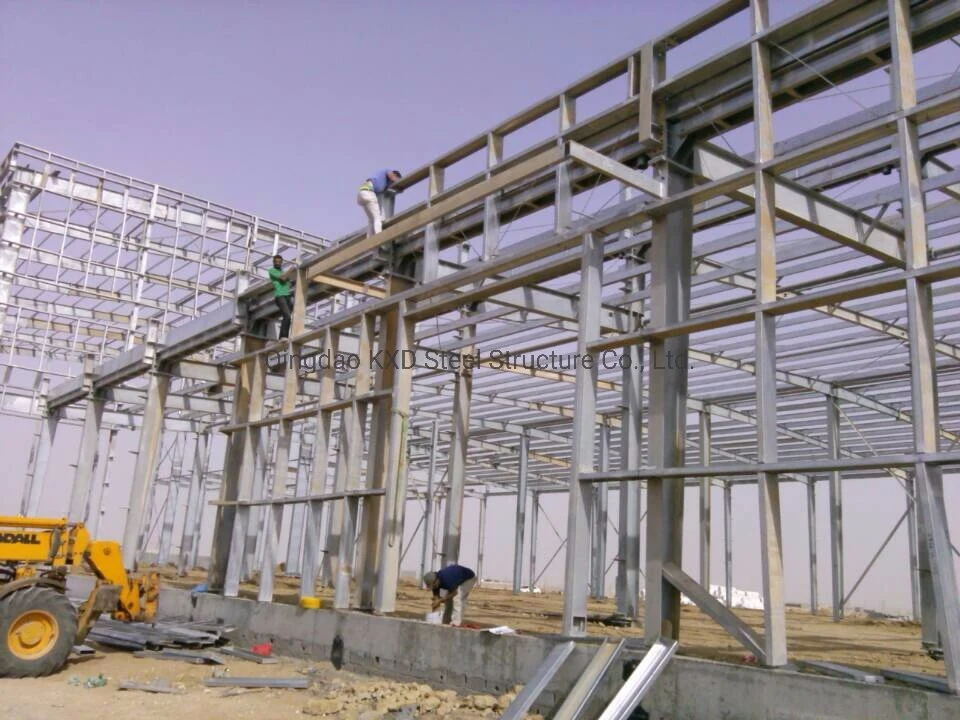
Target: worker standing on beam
<point>457,581</point>
<point>371,193</point>
<point>282,290</point>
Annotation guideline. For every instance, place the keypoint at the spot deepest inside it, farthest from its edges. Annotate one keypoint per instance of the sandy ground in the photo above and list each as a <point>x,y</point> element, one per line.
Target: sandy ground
<point>857,640</point>
<point>332,694</point>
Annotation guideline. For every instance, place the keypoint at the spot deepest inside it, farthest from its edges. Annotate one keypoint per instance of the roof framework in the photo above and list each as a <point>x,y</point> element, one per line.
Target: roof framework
<point>785,314</point>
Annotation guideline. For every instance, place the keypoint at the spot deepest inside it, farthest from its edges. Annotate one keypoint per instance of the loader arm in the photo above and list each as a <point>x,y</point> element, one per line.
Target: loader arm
<point>61,544</point>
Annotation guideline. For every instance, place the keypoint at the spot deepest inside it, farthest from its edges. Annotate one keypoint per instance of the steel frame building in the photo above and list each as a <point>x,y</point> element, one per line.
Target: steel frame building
<point>700,352</point>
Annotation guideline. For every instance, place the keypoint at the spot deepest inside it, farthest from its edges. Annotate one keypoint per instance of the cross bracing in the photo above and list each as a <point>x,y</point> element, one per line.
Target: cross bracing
<point>788,314</point>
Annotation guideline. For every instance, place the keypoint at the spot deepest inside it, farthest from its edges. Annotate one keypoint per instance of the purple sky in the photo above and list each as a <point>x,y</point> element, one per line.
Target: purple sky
<point>282,109</point>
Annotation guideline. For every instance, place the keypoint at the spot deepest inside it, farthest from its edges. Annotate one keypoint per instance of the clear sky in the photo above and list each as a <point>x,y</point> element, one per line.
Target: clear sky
<point>282,108</point>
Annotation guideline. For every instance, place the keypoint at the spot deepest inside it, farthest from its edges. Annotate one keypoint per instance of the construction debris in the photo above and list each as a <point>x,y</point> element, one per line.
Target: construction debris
<point>158,635</point>
<point>259,682</point>
<point>247,655</point>
<point>157,686</point>
<point>90,682</point>
<point>192,656</point>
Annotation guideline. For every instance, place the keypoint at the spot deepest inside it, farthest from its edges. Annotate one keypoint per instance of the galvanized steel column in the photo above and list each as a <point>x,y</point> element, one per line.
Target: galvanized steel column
<point>705,490</point>
<point>96,511</point>
<point>89,439</point>
<point>426,551</point>
<point>146,465</point>
<point>836,510</point>
<point>534,523</point>
<point>192,522</point>
<point>391,533</point>
<point>943,630</point>
<point>812,540</point>
<point>233,458</point>
<point>171,504</point>
<point>670,262</point>
<point>728,542</point>
<point>771,536</point>
<point>631,439</point>
<point>45,435</point>
<point>481,536</point>
<point>598,524</point>
<point>520,521</point>
<point>457,454</point>
<point>582,461</point>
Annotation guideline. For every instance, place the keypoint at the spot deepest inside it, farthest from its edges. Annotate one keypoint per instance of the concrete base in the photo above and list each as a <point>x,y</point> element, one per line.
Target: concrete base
<point>471,661</point>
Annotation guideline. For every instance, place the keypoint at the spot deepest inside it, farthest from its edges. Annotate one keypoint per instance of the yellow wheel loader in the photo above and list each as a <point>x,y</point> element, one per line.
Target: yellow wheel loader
<point>38,624</point>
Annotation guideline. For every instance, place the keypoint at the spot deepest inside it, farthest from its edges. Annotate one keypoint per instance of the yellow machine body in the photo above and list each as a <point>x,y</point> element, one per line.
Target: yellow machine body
<point>38,552</point>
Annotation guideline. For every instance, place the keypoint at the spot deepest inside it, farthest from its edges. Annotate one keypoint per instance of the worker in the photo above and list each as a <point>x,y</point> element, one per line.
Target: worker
<point>282,295</point>
<point>371,194</point>
<point>457,581</point>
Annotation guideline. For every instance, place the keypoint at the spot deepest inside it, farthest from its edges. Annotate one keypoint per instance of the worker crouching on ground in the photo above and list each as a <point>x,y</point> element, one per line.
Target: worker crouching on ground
<point>371,193</point>
<point>457,582</point>
<point>282,295</point>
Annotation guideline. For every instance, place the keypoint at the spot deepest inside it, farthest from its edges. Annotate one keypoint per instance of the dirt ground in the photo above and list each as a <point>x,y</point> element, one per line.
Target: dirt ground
<point>857,640</point>
<point>332,693</point>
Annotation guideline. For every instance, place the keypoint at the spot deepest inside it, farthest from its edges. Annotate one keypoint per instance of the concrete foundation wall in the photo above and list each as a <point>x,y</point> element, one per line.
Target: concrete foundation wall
<point>470,661</point>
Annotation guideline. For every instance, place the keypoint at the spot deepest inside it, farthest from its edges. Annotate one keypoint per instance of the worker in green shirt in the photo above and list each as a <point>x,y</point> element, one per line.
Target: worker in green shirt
<point>281,295</point>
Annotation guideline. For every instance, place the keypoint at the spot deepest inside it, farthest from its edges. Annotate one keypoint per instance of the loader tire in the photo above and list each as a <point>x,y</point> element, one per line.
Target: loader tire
<point>38,627</point>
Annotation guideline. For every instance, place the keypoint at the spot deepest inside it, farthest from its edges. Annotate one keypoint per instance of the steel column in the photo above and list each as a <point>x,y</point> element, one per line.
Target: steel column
<point>193,520</point>
<point>456,467</point>
<point>426,551</point>
<point>534,523</point>
<point>631,440</point>
<point>171,505</point>
<point>670,258</point>
<point>87,456</point>
<point>481,536</point>
<point>836,510</point>
<point>812,541</point>
<point>318,469</point>
<point>598,522</point>
<point>521,518</point>
<point>728,542</point>
<point>932,515</point>
<point>240,474</point>
<point>226,516</point>
<point>391,533</point>
<point>580,496</point>
<point>145,468</point>
<point>705,501</point>
<point>95,508</point>
<point>45,435</point>
<point>771,537</point>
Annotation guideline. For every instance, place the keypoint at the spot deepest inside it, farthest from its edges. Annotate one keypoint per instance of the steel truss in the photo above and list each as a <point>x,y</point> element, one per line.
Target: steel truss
<point>847,301</point>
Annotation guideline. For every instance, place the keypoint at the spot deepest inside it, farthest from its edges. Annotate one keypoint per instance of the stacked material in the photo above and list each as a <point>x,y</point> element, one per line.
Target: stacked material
<point>170,633</point>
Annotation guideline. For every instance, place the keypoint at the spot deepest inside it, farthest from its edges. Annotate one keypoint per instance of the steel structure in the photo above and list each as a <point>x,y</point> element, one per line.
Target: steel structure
<point>734,318</point>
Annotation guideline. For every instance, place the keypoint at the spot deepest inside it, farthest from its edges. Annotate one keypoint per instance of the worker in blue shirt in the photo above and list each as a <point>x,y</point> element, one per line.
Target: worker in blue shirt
<point>371,193</point>
<point>456,581</point>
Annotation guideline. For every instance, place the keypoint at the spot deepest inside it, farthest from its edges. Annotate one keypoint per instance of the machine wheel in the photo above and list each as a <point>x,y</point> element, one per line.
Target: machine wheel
<point>38,626</point>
